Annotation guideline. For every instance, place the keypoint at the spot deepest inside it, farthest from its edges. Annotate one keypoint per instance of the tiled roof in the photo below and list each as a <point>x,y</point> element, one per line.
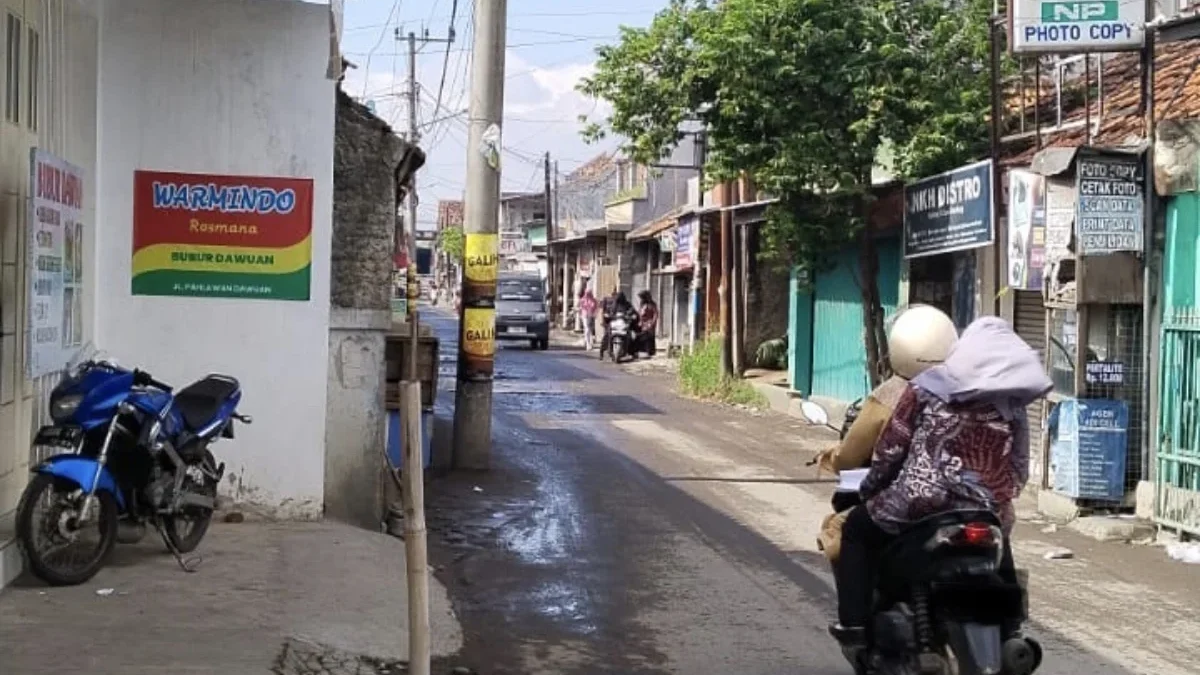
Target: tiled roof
<point>450,213</point>
<point>593,168</point>
<point>1176,96</point>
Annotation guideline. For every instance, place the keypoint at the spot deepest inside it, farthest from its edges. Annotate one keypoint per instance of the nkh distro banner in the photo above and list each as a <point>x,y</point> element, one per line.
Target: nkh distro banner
<point>222,236</point>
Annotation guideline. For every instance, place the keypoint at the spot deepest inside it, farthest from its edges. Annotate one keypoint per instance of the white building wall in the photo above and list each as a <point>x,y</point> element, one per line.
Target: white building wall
<point>63,122</point>
<point>226,87</point>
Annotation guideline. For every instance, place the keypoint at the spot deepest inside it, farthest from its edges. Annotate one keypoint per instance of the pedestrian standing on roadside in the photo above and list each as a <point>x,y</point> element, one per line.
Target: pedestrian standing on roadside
<point>588,306</point>
<point>647,324</point>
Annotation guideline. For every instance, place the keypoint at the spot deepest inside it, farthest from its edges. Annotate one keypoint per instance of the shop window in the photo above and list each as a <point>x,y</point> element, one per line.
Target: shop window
<point>1113,336</point>
<point>12,90</point>
<point>31,114</point>
<point>1114,347</point>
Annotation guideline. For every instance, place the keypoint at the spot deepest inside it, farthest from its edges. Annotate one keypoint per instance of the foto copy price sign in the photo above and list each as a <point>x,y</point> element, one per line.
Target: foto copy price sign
<point>1076,26</point>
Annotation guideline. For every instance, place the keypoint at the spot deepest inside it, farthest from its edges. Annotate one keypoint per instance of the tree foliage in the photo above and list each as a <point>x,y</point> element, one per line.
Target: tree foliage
<point>800,96</point>
<point>450,242</point>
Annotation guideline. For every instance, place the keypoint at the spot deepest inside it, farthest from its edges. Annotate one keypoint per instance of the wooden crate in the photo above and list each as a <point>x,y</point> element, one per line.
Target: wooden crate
<point>396,355</point>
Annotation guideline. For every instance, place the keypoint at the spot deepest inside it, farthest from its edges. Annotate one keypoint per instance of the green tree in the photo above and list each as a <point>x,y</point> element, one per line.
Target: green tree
<point>450,242</point>
<point>800,96</point>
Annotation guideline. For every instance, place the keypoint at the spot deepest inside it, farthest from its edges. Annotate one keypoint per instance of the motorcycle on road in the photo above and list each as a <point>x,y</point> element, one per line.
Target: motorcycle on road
<point>621,329</point>
<point>942,606</point>
<point>129,451</point>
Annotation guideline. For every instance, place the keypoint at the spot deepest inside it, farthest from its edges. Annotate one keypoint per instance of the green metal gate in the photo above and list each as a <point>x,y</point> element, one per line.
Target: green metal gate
<point>1177,498</point>
<point>839,363</point>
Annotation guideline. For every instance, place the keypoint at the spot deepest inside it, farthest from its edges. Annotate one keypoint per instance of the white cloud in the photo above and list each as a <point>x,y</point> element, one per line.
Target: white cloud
<point>541,111</point>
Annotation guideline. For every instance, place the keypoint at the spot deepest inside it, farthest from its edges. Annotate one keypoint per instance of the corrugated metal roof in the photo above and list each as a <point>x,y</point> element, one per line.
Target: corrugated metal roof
<point>660,224</point>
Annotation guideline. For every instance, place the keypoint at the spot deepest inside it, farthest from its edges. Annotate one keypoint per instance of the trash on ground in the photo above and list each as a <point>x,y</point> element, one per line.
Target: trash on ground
<point>1059,554</point>
<point>1188,553</point>
<point>477,489</point>
<point>105,592</point>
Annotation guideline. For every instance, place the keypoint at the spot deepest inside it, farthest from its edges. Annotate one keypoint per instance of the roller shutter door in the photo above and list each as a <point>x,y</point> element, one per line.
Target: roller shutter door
<point>1029,321</point>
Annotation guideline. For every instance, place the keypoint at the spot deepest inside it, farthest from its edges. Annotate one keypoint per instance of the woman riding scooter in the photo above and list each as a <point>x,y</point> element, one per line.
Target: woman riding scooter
<point>617,305</point>
<point>957,439</point>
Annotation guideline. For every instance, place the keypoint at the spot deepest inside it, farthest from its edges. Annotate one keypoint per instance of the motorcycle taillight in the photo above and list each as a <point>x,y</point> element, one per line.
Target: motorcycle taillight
<point>978,534</point>
<point>968,535</point>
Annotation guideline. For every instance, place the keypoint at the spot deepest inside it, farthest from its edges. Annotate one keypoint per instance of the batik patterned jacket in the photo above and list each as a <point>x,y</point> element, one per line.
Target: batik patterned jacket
<point>935,456</point>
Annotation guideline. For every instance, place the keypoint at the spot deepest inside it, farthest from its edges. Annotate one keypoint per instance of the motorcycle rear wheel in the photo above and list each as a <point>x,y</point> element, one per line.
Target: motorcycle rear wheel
<point>186,540</point>
<point>30,532</point>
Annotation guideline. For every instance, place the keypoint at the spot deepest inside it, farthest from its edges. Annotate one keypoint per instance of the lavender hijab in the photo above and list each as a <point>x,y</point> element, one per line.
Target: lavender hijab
<point>991,364</point>
<point>988,364</point>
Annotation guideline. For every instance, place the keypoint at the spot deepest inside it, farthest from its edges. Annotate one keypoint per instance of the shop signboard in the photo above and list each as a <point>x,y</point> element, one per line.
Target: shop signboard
<point>514,243</point>
<point>1089,448</point>
<point>55,263</point>
<point>220,236</point>
<point>685,243</point>
<point>949,212</point>
<point>1026,229</point>
<point>1074,26</point>
<point>1110,203</point>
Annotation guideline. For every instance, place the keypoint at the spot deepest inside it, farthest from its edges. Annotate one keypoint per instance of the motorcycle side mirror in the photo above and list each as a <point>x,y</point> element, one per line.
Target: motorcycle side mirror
<point>814,413</point>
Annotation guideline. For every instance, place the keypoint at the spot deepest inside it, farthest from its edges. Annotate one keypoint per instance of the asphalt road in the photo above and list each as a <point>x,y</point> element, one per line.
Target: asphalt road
<point>623,529</point>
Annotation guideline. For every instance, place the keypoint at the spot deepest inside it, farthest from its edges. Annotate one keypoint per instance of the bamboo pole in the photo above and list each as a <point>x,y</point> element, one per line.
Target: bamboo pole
<point>415,550</point>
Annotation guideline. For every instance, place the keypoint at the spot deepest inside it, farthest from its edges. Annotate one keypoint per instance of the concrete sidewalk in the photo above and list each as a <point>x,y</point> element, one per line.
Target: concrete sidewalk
<point>268,598</point>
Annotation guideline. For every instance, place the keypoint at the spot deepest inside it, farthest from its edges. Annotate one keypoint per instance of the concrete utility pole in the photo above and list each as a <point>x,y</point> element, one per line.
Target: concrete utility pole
<point>549,199</point>
<point>548,206</point>
<point>477,340</point>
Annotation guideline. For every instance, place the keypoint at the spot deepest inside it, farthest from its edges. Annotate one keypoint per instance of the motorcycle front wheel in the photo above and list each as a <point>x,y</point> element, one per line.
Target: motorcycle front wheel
<point>48,530</point>
<point>186,530</point>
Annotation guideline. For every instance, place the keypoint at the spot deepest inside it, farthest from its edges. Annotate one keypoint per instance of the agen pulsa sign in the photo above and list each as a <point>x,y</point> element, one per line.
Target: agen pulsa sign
<point>1038,26</point>
<point>951,211</point>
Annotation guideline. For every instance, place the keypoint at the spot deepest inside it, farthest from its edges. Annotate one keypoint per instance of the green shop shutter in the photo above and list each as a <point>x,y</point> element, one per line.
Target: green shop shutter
<point>839,353</point>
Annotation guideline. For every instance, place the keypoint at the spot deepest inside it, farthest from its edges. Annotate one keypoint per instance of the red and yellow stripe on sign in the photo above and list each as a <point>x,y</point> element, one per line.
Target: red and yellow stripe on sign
<point>222,236</point>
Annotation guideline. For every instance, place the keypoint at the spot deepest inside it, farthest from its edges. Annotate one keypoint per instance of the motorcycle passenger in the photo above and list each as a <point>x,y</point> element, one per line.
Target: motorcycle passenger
<point>919,337</point>
<point>647,325</point>
<point>958,439</point>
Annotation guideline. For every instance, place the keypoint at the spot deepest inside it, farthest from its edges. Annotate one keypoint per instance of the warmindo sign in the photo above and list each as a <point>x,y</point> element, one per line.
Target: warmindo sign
<point>210,235</point>
<point>1039,26</point>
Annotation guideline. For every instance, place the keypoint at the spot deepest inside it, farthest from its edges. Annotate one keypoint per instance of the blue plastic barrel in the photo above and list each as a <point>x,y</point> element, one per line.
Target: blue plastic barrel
<point>394,437</point>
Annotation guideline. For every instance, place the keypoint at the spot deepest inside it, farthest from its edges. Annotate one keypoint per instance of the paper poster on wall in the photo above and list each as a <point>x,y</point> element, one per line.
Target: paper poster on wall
<point>222,236</point>
<point>55,263</point>
<point>1060,218</point>
<point>1026,229</point>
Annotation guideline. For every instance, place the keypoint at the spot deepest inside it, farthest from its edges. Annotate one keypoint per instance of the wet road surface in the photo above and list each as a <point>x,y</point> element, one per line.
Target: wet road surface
<point>623,529</point>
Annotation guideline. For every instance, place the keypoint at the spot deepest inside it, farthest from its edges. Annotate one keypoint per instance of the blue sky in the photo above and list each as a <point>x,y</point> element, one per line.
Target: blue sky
<point>551,45</point>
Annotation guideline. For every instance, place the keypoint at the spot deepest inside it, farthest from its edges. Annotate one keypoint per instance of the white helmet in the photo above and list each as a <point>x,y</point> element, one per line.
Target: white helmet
<point>919,337</point>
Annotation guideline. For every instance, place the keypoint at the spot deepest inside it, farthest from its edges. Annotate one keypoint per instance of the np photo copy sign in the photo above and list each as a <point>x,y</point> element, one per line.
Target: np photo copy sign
<point>1076,25</point>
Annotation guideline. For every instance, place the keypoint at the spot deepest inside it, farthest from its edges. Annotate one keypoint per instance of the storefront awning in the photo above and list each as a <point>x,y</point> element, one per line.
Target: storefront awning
<point>654,227</point>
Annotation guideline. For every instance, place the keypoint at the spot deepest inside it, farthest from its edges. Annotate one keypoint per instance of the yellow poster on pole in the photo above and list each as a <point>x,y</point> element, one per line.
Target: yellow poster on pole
<point>481,257</point>
<point>479,341</point>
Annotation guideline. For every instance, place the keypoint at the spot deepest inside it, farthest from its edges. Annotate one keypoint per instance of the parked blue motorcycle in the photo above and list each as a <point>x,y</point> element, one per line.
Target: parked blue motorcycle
<point>130,452</point>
